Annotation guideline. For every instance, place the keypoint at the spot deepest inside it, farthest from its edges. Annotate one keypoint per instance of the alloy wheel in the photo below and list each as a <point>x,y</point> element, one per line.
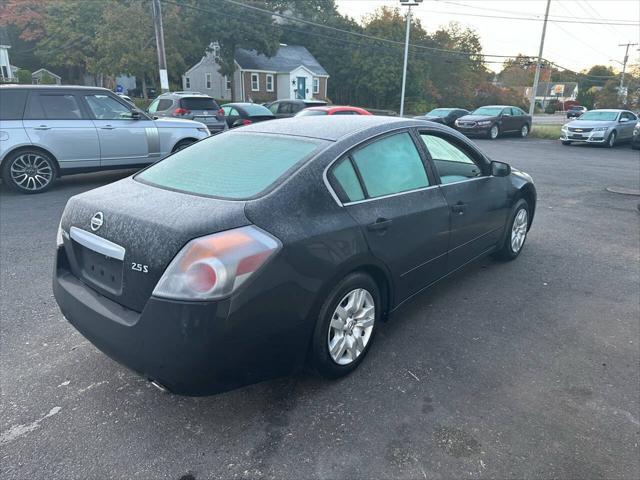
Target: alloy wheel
<point>612,140</point>
<point>524,131</point>
<point>519,230</point>
<point>493,133</point>
<point>351,326</point>
<point>31,171</point>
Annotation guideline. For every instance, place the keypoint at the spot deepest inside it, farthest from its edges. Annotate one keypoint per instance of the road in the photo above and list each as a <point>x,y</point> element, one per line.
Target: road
<point>550,119</point>
<point>527,369</point>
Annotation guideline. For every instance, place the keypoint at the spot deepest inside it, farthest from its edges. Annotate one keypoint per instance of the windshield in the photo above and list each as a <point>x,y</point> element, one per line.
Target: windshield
<point>488,111</point>
<point>439,112</point>
<point>254,109</point>
<point>230,165</point>
<point>599,116</point>
<point>576,107</point>
<point>199,103</point>
<point>309,113</point>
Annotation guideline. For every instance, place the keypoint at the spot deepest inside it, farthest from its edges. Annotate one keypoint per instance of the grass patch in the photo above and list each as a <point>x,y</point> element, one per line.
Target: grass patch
<point>551,132</point>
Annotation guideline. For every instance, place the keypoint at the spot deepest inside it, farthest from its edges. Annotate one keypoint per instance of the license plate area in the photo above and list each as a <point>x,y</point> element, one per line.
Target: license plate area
<point>203,119</point>
<point>103,271</point>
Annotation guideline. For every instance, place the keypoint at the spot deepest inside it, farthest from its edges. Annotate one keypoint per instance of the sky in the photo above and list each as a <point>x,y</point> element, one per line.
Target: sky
<point>574,46</point>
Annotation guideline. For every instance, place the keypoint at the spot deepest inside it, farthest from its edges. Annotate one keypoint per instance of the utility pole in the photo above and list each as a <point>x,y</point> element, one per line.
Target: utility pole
<point>406,3</point>
<point>536,77</point>
<point>162,58</point>
<point>624,64</point>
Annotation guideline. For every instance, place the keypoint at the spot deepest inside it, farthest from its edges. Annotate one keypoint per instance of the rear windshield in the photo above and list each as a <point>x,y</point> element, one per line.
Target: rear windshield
<point>232,165</point>
<point>254,109</point>
<point>196,103</point>
<point>309,113</point>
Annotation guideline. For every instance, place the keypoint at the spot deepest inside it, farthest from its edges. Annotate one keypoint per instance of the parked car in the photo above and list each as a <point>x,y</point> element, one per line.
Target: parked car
<point>494,120</point>
<point>604,127</point>
<point>260,249</point>
<point>331,110</point>
<point>239,114</point>
<point>48,131</point>
<point>126,97</point>
<point>446,116</point>
<point>191,106</point>
<point>288,108</point>
<point>575,111</point>
<point>635,141</point>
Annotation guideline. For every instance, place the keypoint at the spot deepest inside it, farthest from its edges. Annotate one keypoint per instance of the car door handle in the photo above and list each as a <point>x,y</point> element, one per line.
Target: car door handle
<point>459,208</point>
<point>107,127</point>
<point>379,224</point>
<point>42,127</point>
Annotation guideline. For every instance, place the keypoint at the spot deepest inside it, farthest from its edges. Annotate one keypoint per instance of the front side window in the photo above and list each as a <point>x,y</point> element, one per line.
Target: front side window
<point>390,165</point>
<point>153,108</point>
<point>316,85</point>
<point>53,107</point>
<point>452,163</point>
<point>255,82</point>
<point>207,81</point>
<point>233,166</point>
<point>104,107</point>
<point>269,83</point>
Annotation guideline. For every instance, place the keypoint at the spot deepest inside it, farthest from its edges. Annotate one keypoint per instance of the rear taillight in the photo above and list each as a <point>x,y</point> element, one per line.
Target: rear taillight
<point>182,111</point>
<point>246,122</point>
<point>221,113</point>
<point>215,266</point>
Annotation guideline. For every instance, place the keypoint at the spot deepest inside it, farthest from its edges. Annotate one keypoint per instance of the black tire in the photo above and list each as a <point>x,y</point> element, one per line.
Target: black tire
<point>611,141</point>
<point>566,142</point>
<point>319,356</point>
<point>490,134</point>
<point>506,252</point>
<point>182,144</point>
<point>40,181</point>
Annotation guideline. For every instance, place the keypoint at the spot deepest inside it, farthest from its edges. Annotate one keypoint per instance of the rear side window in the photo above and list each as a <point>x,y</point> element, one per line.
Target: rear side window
<point>390,165</point>
<point>344,175</point>
<point>53,106</point>
<point>199,103</point>
<point>12,104</point>
<point>232,165</point>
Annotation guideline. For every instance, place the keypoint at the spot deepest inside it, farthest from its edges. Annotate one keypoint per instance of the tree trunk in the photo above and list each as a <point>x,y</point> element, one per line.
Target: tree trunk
<point>144,87</point>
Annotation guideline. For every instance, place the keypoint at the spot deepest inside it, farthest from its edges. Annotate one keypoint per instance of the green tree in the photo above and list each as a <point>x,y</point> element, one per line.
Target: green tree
<point>609,96</point>
<point>24,76</point>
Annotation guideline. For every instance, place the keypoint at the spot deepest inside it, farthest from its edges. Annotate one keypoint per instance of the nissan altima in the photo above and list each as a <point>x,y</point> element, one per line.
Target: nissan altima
<point>252,253</point>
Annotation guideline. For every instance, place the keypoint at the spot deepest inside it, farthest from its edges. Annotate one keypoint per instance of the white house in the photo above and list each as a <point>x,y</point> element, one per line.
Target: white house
<point>291,73</point>
<point>6,72</point>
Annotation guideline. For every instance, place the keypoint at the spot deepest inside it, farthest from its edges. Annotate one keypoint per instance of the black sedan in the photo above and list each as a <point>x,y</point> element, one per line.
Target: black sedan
<point>494,120</point>
<point>246,254</point>
<point>575,111</point>
<point>239,114</point>
<point>445,116</point>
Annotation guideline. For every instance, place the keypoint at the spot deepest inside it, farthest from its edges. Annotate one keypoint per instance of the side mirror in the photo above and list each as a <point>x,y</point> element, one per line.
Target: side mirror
<point>135,115</point>
<point>500,169</point>
<point>623,120</point>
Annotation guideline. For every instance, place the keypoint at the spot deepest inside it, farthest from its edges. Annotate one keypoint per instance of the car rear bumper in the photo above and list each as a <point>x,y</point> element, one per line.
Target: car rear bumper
<point>190,348</point>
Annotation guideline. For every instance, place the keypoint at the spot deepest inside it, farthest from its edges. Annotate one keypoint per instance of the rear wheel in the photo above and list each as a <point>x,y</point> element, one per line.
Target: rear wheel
<point>611,141</point>
<point>494,131</point>
<point>516,234</point>
<point>182,144</point>
<point>524,131</point>
<point>29,171</point>
<point>346,326</point>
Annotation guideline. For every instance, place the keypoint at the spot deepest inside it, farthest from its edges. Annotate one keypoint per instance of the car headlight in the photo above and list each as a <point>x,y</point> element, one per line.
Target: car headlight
<point>564,128</point>
<point>484,123</point>
<point>600,129</point>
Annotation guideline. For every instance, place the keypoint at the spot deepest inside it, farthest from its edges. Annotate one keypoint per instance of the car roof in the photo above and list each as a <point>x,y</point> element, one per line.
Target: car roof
<point>334,128</point>
<point>334,107</point>
<point>54,87</point>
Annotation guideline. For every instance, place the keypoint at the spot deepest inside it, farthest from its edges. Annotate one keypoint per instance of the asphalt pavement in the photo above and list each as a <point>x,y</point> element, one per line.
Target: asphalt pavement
<point>527,369</point>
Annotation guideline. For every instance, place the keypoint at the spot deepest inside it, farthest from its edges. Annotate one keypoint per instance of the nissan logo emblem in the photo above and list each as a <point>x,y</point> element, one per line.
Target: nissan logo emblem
<point>97,220</point>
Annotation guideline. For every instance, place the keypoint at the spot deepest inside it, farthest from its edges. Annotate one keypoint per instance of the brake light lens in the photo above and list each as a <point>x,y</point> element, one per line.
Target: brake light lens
<point>221,112</point>
<point>182,111</point>
<point>215,266</point>
<point>246,121</point>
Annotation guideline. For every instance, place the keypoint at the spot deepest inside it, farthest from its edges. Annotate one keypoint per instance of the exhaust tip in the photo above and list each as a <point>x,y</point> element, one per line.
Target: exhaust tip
<point>159,386</point>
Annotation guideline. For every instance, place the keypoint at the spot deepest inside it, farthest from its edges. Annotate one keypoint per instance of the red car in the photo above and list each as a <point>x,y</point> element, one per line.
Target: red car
<point>331,110</point>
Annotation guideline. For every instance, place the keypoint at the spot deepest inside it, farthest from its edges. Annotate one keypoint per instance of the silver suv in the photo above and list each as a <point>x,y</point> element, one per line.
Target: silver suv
<point>192,106</point>
<point>49,131</point>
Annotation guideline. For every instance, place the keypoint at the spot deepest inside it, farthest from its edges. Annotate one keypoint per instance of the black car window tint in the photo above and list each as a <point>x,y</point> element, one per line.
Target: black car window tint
<point>452,163</point>
<point>274,108</point>
<point>285,107</point>
<point>390,165</point>
<point>54,107</point>
<point>12,104</point>
<point>164,104</point>
<point>345,178</point>
<point>345,112</point>
<point>104,107</point>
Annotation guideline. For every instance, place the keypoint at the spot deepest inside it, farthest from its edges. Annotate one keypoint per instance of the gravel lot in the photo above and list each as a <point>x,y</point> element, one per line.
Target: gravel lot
<point>526,369</point>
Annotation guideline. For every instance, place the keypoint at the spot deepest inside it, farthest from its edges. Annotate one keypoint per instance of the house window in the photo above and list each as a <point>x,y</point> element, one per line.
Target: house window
<point>255,82</point>
<point>269,83</point>
<point>207,81</point>
<point>316,85</point>
<point>187,82</point>
<point>228,82</point>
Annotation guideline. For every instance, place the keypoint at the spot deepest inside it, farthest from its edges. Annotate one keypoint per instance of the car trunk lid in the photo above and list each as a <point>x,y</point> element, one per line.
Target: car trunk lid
<point>123,236</point>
